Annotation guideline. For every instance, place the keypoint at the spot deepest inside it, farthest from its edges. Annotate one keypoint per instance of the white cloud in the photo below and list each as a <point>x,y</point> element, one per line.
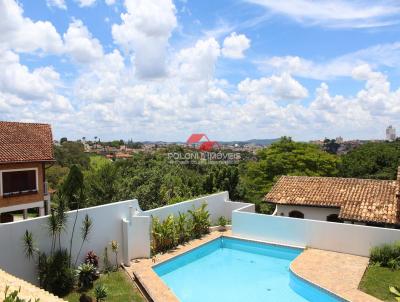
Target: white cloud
<point>145,29</point>
<point>17,79</point>
<point>56,3</point>
<point>339,13</point>
<point>235,45</point>
<point>110,2</point>
<point>80,44</point>
<point>198,62</point>
<point>24,35</point>
<point>86,3</point>
<point>386,55</point>
<point>281,87</point>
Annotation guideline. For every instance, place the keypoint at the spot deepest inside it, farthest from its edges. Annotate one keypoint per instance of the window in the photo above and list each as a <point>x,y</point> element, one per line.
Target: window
<point>296,214</point>
<point>333,218</point>
<point>19,182</point>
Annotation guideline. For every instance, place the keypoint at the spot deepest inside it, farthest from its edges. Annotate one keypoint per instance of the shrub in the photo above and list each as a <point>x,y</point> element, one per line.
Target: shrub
<point>182,226</point>
<point>173,231</point>
<point>92,258</point>
<point>13,296</point>
<point>115,249</point>
<point>100,292</point>
<point>107,266</point>
<point>200,221</point>
<point>86,275</point>
<point>386,255</point>
<point>56,275</point>
<point>222,221</point>
<point>164,234</point>
<point>395,291</point>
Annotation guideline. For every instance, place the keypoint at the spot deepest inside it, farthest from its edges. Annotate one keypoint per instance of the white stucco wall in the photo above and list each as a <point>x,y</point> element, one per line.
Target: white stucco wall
<point>315,213</point>
<point>122,221</point>
<point>139,239</point>
<point>215,205</point>
<point>339,237</point>
<point>107,226</point>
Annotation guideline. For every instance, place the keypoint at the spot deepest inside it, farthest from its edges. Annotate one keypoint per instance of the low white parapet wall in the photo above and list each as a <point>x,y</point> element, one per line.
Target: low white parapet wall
<point>338,237</point>
<point>122,221</point>
<point>216,204</point>
<point>106,227</point>
<point>137,230</point>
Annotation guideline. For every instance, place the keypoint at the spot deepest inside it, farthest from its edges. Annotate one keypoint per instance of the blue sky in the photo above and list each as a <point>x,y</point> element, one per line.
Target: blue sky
<point>240,69</point>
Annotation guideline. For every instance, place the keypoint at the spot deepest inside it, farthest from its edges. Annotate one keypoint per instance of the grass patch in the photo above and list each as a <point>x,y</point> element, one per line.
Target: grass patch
<point>376,282</point>
<point>120,288</point>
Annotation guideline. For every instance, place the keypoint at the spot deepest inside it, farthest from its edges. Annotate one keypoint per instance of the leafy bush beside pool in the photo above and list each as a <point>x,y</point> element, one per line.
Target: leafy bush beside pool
<point>180,229</point>
<point>386,255</point>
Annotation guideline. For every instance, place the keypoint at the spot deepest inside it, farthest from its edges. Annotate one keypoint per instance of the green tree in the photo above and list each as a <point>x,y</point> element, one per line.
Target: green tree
<point>372,160</point>
<point>285,157</point>
<point>71,153</point>
<point>331,146</point>
<point>73,188</point>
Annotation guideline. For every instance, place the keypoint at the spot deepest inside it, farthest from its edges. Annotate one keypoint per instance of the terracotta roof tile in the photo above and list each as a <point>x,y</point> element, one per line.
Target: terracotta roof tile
<point>365,200</point>
<point>25,142</point>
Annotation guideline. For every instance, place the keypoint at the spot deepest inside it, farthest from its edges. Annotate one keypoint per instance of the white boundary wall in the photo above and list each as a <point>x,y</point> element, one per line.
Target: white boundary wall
<point>122,221</point>
<point>215,205</point>
<point>338,237</point>
<point>138,242</point>
<point>106,227</point>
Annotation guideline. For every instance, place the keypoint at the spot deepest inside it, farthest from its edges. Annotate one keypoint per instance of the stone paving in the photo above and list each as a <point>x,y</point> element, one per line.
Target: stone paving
<point>336,272</point>
<point>28,291</point>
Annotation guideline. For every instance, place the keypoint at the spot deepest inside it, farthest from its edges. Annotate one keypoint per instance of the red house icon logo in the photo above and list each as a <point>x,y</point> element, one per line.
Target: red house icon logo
<point>202,142</point>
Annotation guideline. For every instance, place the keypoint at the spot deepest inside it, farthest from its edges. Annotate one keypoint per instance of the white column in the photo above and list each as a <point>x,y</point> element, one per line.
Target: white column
<point>25,213</point>
<point>41,211</point>
<point>126,251</point>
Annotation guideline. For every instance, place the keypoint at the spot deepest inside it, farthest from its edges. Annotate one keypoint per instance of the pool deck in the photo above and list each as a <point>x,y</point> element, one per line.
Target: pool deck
<point>336,272</point>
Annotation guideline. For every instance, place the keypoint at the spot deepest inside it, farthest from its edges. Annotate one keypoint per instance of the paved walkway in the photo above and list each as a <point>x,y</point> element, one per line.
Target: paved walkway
<point>338,273</point>
<point>28,291</point>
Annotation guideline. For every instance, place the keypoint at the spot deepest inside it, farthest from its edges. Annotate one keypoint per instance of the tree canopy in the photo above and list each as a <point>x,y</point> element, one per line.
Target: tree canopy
<point>372,160</point>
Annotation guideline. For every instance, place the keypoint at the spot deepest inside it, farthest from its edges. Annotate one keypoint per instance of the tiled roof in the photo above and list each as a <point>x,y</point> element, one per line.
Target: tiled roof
<point>25,142</point>
<point>365,200</point>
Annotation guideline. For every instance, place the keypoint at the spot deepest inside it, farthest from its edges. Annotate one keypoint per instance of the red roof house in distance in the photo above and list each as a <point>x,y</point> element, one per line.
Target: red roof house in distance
<point>25,148</point>
<point>202,142</point>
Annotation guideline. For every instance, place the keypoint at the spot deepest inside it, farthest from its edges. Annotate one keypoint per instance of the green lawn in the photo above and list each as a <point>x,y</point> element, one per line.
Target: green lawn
<point>376,282</point>
<point>120,288</point>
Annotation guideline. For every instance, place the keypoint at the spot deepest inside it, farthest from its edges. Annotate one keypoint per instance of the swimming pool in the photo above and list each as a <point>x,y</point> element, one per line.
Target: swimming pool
<point>228,269</point>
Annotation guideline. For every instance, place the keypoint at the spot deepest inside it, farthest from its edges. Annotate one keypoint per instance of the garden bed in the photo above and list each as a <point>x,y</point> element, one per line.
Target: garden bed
<point>119,287</point>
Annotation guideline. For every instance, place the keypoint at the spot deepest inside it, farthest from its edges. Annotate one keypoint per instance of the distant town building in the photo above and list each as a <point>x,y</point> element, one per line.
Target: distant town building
<point>390,133</point>
<point>339,140</point>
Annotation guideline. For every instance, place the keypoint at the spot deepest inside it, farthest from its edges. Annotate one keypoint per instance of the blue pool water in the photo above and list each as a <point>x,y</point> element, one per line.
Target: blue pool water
<point>233,270</point>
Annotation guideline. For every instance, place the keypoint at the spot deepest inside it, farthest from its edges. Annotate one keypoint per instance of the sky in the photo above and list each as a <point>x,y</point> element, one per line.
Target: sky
<point>235,70</point>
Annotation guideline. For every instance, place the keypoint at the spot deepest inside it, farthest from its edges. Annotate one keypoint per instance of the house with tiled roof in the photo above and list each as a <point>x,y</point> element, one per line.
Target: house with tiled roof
<point>349,200</point>
<point>25,149</point>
